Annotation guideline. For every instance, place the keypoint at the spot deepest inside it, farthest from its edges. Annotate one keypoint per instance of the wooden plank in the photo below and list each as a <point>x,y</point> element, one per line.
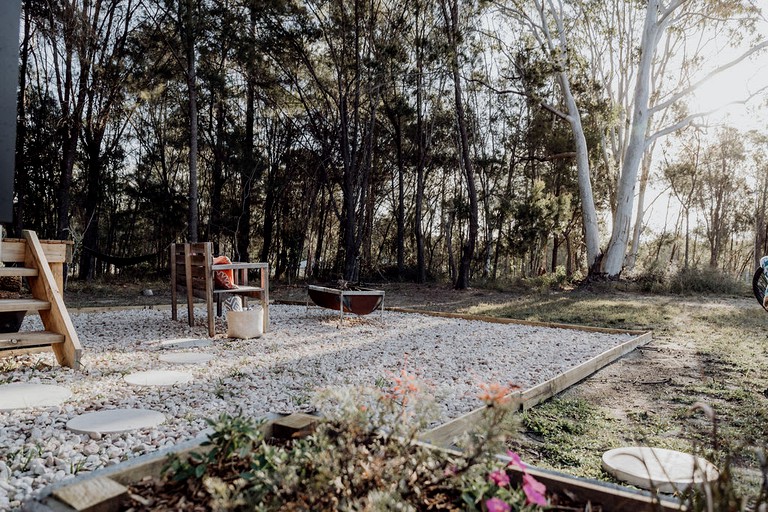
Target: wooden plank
<point>240,265</point>
<point>18,271</point>
<point>56,251</point>
<point>174,280</point>
<point>93,495</point>
<point>188,282</point>
<point>497,320</point>
<point>264,282</point>
<point>56,318</point>
<point>545,390</point>
<point>23,305</point>
<point>602,495</point>
<point>209,288</point>
<point>294,425</point>
<point>24,351</point>
<point>240,289</point>
<point>16,340</point>
<point>57,269</point>
<point>445,435</point>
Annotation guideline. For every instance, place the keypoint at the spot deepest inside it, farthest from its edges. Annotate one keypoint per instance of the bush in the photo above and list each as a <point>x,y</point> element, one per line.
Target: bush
<point>363,455</point>
<point>704,281</point>
<point>652,280</point>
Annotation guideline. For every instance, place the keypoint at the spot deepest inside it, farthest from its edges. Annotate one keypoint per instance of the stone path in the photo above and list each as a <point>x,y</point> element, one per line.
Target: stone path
<point>23,395</point>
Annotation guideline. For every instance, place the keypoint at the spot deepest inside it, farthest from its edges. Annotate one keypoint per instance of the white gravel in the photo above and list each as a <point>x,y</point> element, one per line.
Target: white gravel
<point>305,350</point>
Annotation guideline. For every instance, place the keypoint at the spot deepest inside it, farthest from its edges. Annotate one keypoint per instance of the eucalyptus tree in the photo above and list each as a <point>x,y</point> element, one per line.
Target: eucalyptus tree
<point>339,85</point>
<point>421,41</point>
<point>455,19</point>
<point>105,115</point>
<point>218,108</point>
<point>67,41</point>
<point>688,25</point>
<point>720,188</point>
<point>757,144</point>
<point>178,26</point>
<point>683,178</point>
<point>684,30</point>
<point>546,23</point>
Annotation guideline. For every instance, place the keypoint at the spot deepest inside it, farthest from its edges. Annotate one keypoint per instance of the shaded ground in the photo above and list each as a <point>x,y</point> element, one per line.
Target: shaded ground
<point>712,350</point>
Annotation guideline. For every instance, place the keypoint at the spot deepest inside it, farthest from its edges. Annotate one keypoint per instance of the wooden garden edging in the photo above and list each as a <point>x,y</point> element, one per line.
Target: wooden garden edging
<point>445,434</point>
<point>104,489</point>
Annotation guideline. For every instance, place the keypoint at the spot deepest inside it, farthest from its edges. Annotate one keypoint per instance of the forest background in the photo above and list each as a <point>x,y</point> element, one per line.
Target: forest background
<point>415,139</point>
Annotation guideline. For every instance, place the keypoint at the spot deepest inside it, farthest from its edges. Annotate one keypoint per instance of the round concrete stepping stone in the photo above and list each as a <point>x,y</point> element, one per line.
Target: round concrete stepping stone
<point>186,343</point>
<point>115,420</point>
<point>23,395</point>
<point>658,468</point>
<point>186,357</point>
<point>158,378</point>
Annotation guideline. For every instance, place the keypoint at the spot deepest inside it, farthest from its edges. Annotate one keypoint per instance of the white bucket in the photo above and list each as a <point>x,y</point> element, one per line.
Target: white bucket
<point>245,324</point>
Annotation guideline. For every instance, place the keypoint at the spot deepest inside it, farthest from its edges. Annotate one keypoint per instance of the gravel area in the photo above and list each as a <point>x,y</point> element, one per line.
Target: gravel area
<point>306,349</point>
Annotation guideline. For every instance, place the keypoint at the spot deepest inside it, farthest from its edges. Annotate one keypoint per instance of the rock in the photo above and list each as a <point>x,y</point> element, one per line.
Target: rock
<point>91,448</point>
<point>37,466</point>
<point>147,292</point>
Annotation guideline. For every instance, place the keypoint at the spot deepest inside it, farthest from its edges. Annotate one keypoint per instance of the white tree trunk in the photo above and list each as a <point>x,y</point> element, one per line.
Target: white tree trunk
<point>588,212</point>
<point>613,260</point>
<point>557,43</point>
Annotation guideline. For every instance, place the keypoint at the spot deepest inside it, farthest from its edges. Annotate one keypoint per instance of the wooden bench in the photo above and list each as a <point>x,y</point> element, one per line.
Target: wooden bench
<point>192,273</point>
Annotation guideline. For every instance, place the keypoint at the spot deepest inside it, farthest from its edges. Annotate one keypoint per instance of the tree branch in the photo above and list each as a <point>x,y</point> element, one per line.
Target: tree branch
<point>688,120</point>
<point>690,89</point>
<point>544,105</point>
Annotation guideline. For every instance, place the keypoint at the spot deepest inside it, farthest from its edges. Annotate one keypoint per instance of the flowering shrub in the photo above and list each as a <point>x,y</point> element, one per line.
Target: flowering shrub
<point>363,455</point>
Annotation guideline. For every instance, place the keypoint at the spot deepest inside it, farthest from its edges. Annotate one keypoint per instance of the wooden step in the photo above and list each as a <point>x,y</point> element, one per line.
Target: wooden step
<point>16,340</point>
<point>23,305</point>
<point>18,271</point>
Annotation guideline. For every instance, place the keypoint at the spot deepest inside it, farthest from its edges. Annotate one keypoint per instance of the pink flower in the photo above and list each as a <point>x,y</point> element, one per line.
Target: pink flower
<point>534,490</point>
<point>497,505</point>
<point>515,460</point>
<point>499,477</point>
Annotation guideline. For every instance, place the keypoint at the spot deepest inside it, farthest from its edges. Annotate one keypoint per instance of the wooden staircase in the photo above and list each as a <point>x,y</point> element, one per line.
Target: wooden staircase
<point>43,267</point>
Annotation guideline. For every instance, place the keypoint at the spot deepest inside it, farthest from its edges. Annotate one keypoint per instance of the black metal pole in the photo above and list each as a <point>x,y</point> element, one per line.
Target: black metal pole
<point>10,14</point>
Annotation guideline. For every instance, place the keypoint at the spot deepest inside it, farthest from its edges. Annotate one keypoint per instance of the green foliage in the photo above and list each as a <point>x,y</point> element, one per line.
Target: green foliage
<point>363,455</point>
<point>687,281</point>
<point>652,280</point>
<point>704,280</point>
<point>564,427</point>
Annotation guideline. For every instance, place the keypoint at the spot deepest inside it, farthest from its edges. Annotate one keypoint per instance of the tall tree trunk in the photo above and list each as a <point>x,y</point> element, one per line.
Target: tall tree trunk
<point>451,16</point>
<point>638,228</point>
<point>760,218</point>
<point>190,37</point>
<point>217,178</point>
<point>613,260</point>
<point>558,46</point>
<point>92,206</point>
<point>421,268</point>
<point>20,184</point>
<point>248,169</point>
<point>400,195</point>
